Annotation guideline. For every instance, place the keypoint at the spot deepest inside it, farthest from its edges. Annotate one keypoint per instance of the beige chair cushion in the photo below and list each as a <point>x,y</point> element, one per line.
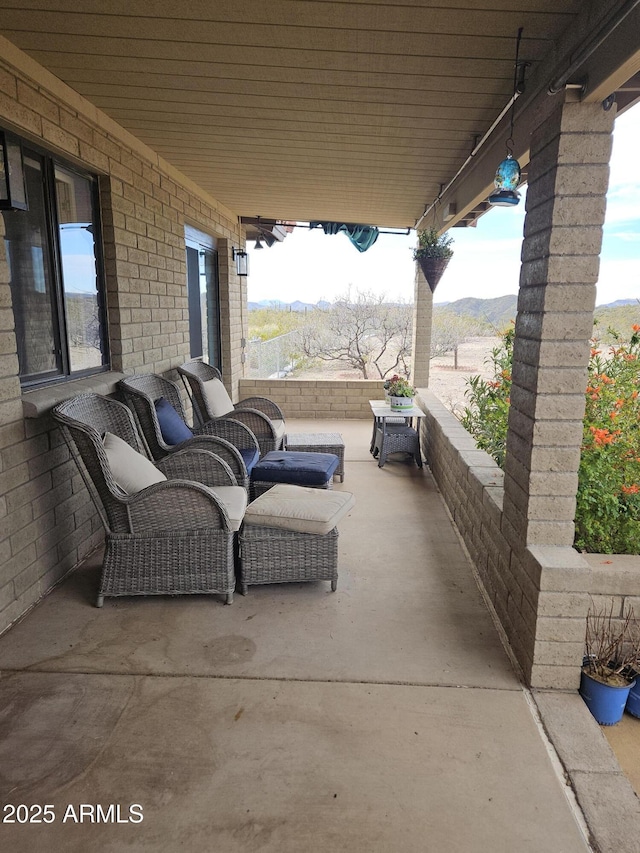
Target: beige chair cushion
<point>216,398</point>
<point>279,427</point>
<point>299,509</point>
<point>234,500</point>
<point>131,470</point>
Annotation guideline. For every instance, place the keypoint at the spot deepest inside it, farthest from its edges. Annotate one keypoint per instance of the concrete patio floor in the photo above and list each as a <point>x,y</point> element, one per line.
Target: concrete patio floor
<point>383,717</point>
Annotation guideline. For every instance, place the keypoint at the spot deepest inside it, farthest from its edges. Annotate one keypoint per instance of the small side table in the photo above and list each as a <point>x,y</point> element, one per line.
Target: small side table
<point>318,442</point>
<point>393,432</point>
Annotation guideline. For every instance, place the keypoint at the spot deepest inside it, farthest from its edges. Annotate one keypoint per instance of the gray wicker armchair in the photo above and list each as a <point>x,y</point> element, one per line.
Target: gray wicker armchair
<point>174,537</point>
<point>231,440</point>
<point>264,418</point>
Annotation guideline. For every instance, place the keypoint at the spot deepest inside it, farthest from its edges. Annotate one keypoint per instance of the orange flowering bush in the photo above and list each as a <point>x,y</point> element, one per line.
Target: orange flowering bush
<point>608,499</point>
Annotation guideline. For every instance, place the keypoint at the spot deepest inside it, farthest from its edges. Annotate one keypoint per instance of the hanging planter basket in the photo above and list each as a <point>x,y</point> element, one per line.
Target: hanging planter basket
<point>433,269</point>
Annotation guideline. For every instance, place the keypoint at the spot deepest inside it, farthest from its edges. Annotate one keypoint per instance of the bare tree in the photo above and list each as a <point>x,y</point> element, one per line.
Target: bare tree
<point>362,331</point>
<point>449,330</point>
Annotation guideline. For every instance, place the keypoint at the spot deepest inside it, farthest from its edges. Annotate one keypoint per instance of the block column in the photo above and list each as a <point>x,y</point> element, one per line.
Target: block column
<point>422,319</point>
<point>568,180</point>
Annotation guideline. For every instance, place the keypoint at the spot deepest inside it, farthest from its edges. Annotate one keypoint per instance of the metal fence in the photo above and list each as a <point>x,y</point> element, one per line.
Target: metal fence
<point>272,359</point>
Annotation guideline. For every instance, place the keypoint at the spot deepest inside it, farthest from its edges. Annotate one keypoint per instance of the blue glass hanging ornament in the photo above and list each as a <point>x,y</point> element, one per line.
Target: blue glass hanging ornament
<point>506,182</point>
<point>508,172</point>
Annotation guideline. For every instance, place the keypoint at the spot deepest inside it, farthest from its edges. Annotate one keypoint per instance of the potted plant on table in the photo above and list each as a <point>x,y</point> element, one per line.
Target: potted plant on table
<point>387,384</point>
<point>609,666</point>
<point>433,253</point>
<point>401,393</point>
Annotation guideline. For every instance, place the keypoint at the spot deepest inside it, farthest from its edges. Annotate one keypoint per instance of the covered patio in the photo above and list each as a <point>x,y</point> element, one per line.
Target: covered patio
<point>385,716</point>
<point>389,715</point>
<point>160,138</point>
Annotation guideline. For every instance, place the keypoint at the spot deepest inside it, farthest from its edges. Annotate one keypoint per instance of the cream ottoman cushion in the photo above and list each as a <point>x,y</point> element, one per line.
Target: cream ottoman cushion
<point>299,509</point>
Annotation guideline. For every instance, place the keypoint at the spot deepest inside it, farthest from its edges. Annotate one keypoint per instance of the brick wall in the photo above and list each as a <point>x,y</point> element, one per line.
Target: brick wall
<point>144,214</point>
<point>302,398</point>
<point>47,522</point>
<point>422,324</point>
<point>566,201</point>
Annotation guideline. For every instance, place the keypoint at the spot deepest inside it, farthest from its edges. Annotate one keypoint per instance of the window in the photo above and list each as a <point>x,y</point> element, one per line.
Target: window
<point>204,296</point>
<point>56,273</point>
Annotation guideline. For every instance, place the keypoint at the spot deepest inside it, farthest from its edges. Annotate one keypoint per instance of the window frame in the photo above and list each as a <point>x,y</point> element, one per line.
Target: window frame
<point>202,242</point>
<point>49,161</point>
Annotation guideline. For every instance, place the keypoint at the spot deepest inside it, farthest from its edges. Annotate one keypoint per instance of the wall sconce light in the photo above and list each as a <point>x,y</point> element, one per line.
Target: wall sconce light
<point>242,261</point>
<point>13,190</point>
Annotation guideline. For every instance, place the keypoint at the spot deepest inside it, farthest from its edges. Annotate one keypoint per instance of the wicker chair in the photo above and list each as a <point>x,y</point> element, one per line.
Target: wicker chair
<point>264,418</point>
<point>231,440</point>
<point>171,538</point>
<point>213,372</point>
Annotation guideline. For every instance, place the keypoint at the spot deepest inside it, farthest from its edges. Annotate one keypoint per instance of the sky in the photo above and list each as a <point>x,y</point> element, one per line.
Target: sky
<point>310,266</point>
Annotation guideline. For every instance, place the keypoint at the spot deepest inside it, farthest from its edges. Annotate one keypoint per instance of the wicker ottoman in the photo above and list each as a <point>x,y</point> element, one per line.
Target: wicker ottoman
<point>313,470</point>
<point>318,442</point>
<point>290,535</point>
<point>393,438</point>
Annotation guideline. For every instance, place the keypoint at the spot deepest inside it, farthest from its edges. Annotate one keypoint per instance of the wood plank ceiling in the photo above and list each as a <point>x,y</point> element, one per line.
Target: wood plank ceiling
<point>297,109</point>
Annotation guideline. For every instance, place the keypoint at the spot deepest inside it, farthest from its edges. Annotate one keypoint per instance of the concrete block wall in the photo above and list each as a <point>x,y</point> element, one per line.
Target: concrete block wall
<point>144,213</point>
<point>567,179</point>
<point>540,594</point>
<point>422,323</point>
<point>47,521</point>
<point>472,486</point>
<point>308,398</point>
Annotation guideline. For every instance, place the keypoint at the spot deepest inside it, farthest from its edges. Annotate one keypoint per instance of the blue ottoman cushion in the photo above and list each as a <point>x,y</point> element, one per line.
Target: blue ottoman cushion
<point>300,469</point>
<point>249,456</point>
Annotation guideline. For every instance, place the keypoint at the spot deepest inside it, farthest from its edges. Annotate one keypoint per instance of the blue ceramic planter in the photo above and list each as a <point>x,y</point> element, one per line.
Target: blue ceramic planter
<point>605,702</point>
<point>633,702</point>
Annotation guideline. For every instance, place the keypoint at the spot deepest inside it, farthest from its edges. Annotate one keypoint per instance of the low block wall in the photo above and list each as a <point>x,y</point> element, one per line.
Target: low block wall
<point>322,399</point>
<point>541,595</point>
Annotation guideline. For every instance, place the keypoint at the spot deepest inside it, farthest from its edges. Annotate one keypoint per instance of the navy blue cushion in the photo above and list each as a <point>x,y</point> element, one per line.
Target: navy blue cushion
<point>301,469</point>
<point>249,456</point>
<point>173,428</point>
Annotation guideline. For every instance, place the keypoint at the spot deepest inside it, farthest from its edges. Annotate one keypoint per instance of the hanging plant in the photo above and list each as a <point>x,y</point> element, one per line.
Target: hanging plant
<point>433,253</point>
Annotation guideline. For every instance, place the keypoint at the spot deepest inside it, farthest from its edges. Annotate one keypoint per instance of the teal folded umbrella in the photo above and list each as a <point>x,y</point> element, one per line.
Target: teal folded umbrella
<point>362,236</point>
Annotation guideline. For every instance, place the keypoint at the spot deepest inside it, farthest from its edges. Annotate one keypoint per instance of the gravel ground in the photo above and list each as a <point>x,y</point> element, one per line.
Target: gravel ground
<point>449,384</point>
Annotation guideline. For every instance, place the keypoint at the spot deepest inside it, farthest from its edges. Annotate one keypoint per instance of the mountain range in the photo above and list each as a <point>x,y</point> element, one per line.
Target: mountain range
<point>498,312</point>
<point>501,311</point>
<point>287,306</point>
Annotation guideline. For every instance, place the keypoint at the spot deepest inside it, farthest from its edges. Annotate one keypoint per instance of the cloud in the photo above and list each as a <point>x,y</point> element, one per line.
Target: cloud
<point>619,279</point>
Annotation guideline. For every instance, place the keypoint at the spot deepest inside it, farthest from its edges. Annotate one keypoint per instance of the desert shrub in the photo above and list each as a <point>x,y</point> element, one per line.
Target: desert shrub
<point>487,414</point>
<point>608,500</point>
